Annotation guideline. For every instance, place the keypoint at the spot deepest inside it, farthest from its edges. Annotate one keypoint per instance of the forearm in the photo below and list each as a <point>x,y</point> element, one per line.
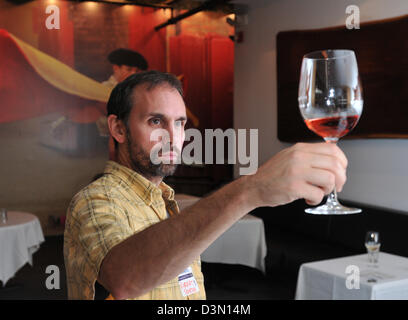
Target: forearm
<point>162,251</point>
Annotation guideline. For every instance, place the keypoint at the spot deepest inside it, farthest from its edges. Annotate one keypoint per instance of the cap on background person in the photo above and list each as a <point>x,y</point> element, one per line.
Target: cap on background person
<point>129,58</point>
<point>125,62</point>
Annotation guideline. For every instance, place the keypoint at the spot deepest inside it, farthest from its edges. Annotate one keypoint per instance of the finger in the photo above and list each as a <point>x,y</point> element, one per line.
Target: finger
<point>324,148</point>
<point>323,161</point>
<point>313,195</point>
<point>311,203</point>
<point>323,179</point>
<point>340,177</point>
<point>331,164</point>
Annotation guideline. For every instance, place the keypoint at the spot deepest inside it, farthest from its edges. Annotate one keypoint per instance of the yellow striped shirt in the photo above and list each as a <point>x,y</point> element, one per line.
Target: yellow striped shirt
<point>108,211</point>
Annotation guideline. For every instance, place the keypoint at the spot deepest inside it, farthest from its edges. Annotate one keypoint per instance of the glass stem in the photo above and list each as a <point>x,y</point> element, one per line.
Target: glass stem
<point>332,197</point>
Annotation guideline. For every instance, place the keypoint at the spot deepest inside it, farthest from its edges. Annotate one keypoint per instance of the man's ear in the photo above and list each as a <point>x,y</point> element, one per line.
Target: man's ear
<point>115,68</point>
<point>117,128</point>
<point>116,72</point>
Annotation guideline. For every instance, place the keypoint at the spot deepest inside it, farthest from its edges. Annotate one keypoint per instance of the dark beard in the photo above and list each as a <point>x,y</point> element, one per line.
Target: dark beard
<point>142,164</point>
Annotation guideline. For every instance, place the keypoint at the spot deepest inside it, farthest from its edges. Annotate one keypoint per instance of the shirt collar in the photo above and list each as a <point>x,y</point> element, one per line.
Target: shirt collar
<point>112,80</point>
<point>147,190</point>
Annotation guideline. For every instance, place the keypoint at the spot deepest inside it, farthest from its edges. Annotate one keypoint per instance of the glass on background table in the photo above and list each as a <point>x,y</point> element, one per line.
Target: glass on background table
<point>372,244</point>
<point>3,216</point>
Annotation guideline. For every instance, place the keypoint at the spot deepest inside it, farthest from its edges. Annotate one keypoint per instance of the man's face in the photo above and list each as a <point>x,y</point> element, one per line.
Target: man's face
<point>122,72</point>
<point>160,108</point>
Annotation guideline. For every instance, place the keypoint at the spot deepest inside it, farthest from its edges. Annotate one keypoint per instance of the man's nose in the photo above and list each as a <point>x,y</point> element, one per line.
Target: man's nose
<point>175,135</point>
<point>171,131</point>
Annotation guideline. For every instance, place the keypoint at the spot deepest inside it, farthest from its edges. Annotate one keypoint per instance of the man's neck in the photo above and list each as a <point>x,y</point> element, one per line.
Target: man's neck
<point>155,180</point>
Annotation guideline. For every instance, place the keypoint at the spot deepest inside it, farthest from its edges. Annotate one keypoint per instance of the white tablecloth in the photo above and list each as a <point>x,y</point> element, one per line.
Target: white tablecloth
<point>244,243</point>
<point>20,237</point>
<point>185,200</point>
<point>326,280</point>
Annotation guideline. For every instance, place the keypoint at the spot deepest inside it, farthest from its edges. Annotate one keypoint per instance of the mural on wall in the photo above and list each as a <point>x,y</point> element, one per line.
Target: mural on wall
<point>51,86</point>
<point>35,84</point>
<point>53,132</point>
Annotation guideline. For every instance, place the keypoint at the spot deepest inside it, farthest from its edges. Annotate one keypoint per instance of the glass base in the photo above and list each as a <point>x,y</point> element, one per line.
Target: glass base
<point>336,209</point>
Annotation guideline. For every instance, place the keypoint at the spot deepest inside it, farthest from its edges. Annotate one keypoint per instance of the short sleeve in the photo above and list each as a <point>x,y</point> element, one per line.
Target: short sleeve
<point>95,224</point>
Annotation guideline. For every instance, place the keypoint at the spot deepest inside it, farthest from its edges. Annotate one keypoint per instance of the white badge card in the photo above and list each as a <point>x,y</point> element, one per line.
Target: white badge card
<point>187,282</point>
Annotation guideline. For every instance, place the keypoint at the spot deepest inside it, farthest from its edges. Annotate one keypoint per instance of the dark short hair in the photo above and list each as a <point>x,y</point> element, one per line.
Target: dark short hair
<point>120,102</point>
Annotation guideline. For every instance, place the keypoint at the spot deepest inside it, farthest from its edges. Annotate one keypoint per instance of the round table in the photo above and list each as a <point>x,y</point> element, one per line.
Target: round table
<point>20,237</point>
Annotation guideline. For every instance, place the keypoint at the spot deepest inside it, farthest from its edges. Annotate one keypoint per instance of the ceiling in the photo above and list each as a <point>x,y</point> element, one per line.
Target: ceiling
<point>226,6</point>
<point>189,7</point>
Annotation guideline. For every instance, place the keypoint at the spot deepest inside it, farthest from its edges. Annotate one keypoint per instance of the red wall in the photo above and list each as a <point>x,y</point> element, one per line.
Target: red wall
<point>207,64</point>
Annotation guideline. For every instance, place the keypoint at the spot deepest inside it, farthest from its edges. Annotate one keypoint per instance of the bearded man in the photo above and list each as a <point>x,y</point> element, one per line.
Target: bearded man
<point>124,231</point>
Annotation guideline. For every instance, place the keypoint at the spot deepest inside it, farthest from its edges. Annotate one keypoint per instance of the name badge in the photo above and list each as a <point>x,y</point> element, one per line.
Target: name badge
<point>187,282</point>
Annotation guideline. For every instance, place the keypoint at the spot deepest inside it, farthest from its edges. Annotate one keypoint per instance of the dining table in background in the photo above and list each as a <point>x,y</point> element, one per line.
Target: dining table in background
<point>20,237</point>
<point>243,243</point>
<point>354,278</point>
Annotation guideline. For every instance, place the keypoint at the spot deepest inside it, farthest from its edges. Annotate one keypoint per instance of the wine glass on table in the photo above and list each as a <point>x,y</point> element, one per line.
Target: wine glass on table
<point>331,102</point>
<point>372,243</point>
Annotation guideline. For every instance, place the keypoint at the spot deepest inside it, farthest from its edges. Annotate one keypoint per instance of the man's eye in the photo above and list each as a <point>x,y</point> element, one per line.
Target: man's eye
<point>155,121</point>
<point>179,123</point>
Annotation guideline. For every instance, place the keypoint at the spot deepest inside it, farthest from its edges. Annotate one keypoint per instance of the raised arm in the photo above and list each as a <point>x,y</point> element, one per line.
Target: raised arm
<point>162,251</point>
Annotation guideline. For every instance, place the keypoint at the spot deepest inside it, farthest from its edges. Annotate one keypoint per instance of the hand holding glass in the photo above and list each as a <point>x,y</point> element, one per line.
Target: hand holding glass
<point>331,103</point>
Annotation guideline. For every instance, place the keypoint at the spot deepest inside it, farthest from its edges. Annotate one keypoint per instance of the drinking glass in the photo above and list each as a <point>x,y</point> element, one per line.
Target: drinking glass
<point>3,215</point>
<point>331,102</point>
<point>372,243</point>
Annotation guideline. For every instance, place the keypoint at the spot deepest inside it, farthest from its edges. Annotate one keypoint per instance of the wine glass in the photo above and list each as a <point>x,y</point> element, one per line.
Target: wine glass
<point>372,243</point>
<point>3,215</point>
<point>331,102</point>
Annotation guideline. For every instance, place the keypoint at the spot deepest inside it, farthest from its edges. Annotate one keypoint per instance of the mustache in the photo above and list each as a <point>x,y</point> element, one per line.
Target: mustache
<point>159,151</point>
<point>167,150</point>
